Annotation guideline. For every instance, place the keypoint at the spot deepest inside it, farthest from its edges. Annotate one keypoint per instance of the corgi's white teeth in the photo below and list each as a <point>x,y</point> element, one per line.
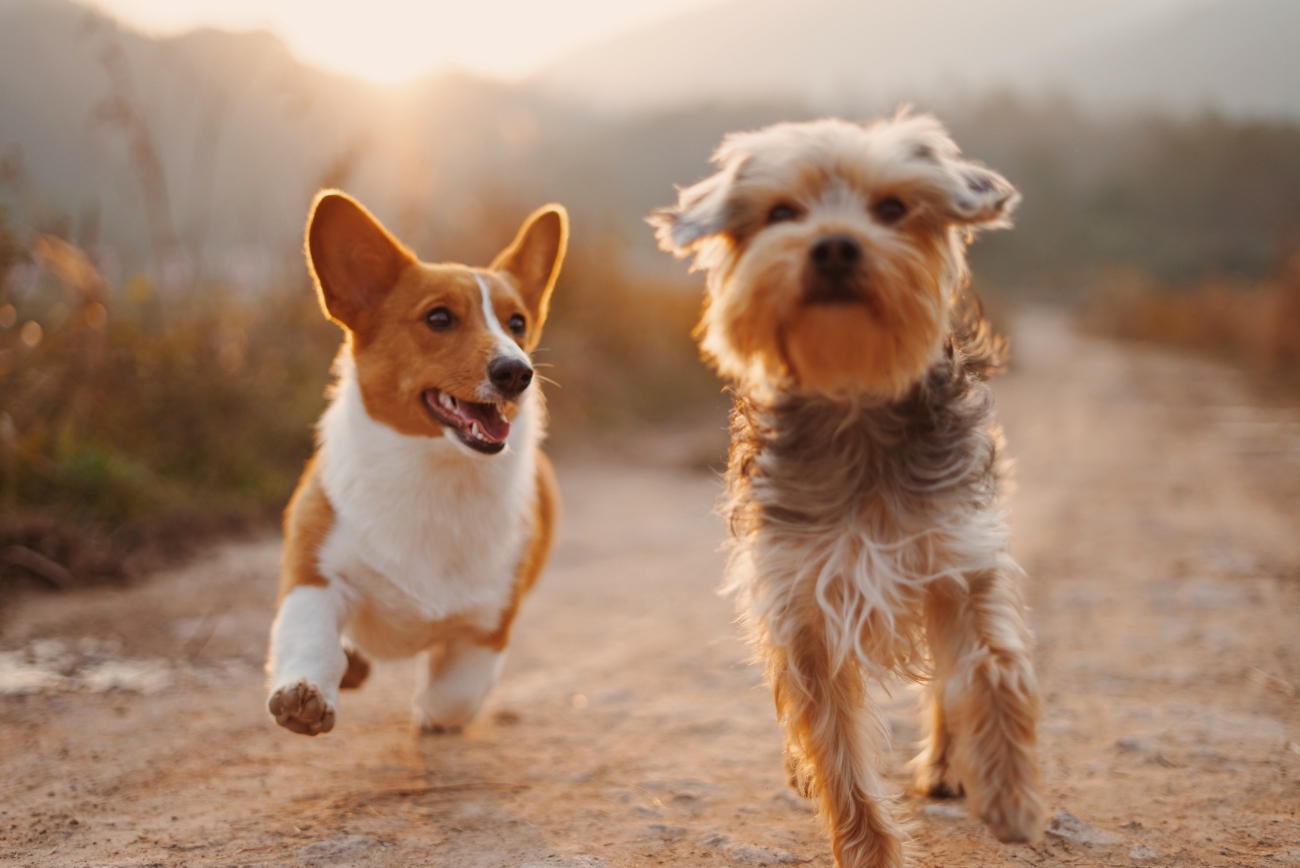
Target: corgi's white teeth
<point>447,401</point>
<point>476,431</point>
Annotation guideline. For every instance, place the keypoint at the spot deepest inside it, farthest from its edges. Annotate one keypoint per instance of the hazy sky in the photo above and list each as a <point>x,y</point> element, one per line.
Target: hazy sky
<point>390,40</point>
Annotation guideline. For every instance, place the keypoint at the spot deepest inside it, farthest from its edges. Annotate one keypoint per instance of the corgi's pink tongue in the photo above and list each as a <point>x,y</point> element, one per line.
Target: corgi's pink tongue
<point>492,425</point>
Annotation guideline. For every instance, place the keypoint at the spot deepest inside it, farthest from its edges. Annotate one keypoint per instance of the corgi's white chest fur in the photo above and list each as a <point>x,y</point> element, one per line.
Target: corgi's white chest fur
<point>423,526</point>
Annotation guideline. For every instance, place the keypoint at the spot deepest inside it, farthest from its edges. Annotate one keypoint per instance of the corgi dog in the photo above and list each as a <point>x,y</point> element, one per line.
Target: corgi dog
<point>428,509</point>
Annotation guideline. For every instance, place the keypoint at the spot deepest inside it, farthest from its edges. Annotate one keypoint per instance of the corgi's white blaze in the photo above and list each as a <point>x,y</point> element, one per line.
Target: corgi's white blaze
<point>305,641</point>
<point>506,346</point>
<point>425,528</point>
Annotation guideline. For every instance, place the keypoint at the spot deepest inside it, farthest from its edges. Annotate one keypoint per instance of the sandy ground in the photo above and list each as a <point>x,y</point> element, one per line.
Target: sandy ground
<point>1156,514</point>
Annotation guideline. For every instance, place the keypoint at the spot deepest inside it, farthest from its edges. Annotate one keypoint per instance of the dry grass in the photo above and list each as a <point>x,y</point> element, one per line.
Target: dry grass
<point>1255,326</point>
<point>133,424</point>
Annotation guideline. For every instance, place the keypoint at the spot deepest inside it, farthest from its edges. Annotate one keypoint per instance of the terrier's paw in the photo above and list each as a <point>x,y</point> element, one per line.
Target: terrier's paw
<point>799,775</point>
<point>1015,816</point>
<point>935,781</point>
<point>301,708</point>
<point>939,788</point>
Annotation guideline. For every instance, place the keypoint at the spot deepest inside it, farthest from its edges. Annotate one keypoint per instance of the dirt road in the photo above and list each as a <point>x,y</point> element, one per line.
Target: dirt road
<point>1157,516</point>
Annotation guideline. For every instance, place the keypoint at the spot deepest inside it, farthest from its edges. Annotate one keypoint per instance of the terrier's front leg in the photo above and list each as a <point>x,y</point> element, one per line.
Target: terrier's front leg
<point>307,661</point>
<point>934,777</point>
<point>990,701</point>
<point>834,738</point>
<point>455,684</point>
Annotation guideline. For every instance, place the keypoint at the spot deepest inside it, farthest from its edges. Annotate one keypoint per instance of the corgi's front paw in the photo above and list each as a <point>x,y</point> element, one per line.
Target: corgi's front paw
<point>302,708</point>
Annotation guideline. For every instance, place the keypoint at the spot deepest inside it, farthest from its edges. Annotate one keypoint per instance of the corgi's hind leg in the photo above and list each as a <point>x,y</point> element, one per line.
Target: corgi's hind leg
<point>455,683</point>
<point>358,667</point>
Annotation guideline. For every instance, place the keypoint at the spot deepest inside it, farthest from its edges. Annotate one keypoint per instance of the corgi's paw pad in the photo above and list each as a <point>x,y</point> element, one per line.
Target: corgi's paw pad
<point>301,708</point>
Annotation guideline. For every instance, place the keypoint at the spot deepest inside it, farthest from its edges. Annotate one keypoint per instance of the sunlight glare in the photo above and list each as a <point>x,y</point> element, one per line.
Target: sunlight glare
<point>395,40</point>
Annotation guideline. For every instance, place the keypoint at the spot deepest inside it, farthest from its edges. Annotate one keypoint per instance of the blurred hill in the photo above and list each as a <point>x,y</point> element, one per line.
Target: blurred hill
<point>1169,55</point>
<point>238,126</point>
<point>1240,57</point>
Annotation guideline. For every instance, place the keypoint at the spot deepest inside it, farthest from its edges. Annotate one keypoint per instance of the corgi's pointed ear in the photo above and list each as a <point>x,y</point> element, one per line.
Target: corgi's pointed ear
<point>353,258</point>
<point>534,258</point>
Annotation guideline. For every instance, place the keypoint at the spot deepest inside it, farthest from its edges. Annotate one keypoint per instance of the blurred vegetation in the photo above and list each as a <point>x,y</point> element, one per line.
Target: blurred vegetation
<point>1179,199</point>
<point>132,422</point>
<point>1255,326</point>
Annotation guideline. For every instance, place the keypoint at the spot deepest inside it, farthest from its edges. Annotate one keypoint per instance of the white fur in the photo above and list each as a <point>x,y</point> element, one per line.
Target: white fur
<point>305,641</point>
<point>506,345</point>
<point>425,527</point>
<point>455,683</point>
<point>864,578</point>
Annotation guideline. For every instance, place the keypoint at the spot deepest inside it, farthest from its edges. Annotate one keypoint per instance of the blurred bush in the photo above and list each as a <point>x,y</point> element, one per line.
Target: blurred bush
<point>1256,326</point>
<point>133,422</point>
<point>618,348</point>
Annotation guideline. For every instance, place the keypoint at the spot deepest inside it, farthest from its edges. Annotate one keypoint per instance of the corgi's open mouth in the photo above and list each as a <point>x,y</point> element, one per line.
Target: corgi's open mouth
<point>482,427</point>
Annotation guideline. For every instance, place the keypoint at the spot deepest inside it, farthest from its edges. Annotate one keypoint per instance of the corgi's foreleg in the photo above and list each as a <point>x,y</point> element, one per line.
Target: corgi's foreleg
<point>307,661</point>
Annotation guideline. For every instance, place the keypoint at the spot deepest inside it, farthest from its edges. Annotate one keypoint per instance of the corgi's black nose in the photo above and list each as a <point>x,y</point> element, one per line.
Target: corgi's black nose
<point>835,255</point>
<point>510,376</point>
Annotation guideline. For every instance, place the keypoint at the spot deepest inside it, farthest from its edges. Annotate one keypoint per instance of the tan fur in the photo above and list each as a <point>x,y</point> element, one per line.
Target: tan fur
<point>307,522</point>
<point>830,749</point>
<point>755,321</point>
<point>865,462</point>
<point>984,690</point>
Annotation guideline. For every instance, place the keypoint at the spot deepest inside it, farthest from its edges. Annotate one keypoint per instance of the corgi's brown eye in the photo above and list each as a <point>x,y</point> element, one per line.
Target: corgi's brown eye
<point>781,214</point>
<point>440,319</point>
<point>518,325</point>
<point>890,211</point>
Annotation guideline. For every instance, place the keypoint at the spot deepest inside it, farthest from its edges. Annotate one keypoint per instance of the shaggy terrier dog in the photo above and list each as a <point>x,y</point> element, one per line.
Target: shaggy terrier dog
<point>863,481</point>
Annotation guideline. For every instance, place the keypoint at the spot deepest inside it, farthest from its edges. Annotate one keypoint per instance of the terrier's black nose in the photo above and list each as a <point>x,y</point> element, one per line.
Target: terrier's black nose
<point>835,255</point>
<point>511,376</point>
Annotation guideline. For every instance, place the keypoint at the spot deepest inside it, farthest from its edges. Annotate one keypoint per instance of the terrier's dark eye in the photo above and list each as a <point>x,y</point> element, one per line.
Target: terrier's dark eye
<point>889,211</point>
<point>440,319</point>
<point>781,214</point>
<point>518,325</point>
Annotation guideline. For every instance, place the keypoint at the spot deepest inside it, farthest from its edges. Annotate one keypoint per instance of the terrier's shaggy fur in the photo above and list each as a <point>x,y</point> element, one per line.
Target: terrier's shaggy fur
<point>866,461</point>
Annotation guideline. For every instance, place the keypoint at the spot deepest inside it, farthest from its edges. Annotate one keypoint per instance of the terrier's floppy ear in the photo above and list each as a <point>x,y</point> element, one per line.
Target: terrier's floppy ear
<point>956,190</point>
<point>702,211</point>
<point>353,258</point>
<point>976,196</point>
<point>534,258</point>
